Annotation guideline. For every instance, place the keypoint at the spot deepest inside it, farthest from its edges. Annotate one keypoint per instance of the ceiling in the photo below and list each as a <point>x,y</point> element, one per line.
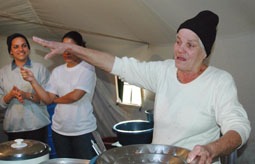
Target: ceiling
<point>139,21</point>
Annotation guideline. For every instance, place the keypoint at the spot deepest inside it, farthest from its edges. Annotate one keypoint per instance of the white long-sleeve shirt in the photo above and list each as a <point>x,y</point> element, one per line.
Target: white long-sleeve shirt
<point>187,114</point>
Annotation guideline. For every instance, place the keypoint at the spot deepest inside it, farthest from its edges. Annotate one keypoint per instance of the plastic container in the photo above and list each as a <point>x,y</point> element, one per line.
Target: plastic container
<point>93,160</point>
<point>134,132</point>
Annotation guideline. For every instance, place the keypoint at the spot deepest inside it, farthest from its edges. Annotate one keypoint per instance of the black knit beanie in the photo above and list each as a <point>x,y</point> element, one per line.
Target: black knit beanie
<point>13,36</point>
<point>204,24</point>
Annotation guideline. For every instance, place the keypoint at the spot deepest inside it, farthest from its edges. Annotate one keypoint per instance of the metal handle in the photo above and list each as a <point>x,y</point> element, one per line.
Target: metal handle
<point>99,141</point>
<point>95,147</point>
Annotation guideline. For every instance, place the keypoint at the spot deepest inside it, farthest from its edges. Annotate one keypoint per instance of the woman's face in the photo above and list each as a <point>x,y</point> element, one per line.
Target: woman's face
<point>19,49</point>
<point>189,54</point>
<point>68,57</point>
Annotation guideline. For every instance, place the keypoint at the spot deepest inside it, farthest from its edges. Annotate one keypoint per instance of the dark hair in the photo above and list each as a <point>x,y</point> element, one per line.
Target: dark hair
<point>76,37</point>
<point>13,36</point>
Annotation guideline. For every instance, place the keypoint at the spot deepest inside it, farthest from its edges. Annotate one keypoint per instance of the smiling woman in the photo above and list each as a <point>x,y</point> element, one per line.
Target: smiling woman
<point>25,117</point>
<point>19,50</point>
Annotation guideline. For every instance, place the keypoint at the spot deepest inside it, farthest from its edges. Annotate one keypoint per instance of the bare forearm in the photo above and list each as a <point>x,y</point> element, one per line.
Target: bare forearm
<point>70,97</point>
<point>226,144</point>
<point>99,59</point>
<point>42,94</point>
<point>32,97</point>
<point>221,147</point>
<point>64,100</point>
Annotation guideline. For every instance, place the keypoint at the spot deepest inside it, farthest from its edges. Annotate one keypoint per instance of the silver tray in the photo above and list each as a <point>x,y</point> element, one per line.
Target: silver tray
<point>144,153</point>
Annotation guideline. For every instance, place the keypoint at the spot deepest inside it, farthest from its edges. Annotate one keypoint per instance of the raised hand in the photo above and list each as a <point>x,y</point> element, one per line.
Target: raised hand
<point>27,74</point>
<point>55,47</point>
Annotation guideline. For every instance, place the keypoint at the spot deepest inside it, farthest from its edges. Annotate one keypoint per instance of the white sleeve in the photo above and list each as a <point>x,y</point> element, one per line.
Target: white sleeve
<point>230,114</point>
<point>86,81</point>
<point>141,74</point>
<point>44,76</point>
<point>3,105</point>
<point>52,85</point>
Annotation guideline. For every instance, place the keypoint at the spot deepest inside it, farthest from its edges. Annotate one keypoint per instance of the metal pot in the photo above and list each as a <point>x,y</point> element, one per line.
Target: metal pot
<point>144,154</point>
<point>22,151</point>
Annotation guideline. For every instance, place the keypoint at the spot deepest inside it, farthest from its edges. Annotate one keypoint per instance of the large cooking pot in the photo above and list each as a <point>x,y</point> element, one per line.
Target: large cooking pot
<point>134,132</point>
<point>144,154</point>
<point>22,151</point>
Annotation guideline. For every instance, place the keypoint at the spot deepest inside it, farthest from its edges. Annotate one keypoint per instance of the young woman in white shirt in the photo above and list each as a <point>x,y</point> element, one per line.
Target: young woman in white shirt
<point>71,87</point>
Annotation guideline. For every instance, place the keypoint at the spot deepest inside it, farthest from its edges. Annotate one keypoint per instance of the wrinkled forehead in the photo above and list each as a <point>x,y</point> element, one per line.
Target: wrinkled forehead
<point>187,35</point>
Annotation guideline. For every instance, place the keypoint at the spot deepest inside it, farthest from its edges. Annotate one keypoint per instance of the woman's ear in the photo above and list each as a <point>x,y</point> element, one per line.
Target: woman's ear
<point>204,53</point>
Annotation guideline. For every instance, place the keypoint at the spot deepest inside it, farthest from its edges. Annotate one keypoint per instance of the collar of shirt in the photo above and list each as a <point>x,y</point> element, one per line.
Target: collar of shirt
<point>28,64</point>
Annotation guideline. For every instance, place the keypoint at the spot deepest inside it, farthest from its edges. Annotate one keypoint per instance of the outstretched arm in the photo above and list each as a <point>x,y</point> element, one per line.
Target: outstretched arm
<point>99,59</point>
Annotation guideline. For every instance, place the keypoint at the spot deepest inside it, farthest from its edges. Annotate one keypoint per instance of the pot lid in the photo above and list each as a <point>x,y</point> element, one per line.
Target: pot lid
<point>20,149</point>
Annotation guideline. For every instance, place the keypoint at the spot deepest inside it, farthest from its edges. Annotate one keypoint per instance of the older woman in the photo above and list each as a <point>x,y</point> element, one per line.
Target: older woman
<point>194,102</point>
<point>25,116</point>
